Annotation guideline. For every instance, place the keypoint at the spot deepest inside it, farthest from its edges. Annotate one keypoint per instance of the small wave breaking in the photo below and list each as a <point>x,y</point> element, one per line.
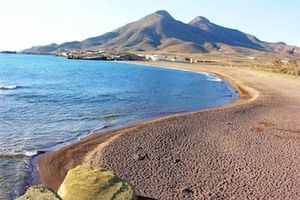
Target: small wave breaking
<point>215,79</point>
<point>9,87</point>
<point>211,77</point>
<point>96,130</point>
<point>20,154</point>
<point>208,75</point>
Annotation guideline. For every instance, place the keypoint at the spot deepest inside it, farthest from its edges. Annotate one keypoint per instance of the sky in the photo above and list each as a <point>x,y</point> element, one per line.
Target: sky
<point>25,23</point>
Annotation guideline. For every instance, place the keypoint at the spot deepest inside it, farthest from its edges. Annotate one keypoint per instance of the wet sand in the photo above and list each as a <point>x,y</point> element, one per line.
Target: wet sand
<point>248,149</point>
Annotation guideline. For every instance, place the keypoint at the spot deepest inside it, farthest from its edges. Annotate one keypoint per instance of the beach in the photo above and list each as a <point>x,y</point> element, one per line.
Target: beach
<point>246,149</point>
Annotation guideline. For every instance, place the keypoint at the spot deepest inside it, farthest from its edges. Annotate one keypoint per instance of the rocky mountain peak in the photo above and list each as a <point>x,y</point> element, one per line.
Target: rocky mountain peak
<point>200,19</point>
<point>163,13</point>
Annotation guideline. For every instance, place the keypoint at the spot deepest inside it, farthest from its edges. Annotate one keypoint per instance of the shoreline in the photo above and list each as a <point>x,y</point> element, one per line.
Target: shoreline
<point>107,136</point>
<point>202,145</point>
<point>244,91</point>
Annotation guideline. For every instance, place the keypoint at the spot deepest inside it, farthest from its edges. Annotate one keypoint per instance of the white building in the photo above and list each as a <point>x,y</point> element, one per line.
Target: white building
<point>157,58</point>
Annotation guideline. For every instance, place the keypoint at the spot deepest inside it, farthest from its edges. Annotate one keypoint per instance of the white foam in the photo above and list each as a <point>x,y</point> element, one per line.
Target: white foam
<point>30,153</point>
<point>9,87</point>
<point>209,76</point>
<point>215,79</point>
<point>18,154</point>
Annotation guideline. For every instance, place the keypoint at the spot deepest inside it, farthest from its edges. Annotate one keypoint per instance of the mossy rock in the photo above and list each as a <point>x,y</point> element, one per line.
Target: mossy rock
<point>89,183</point>
<point>39,192</point>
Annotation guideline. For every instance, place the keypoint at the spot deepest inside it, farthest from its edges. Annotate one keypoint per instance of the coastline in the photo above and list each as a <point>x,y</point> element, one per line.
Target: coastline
<point>105,137</point>
<point>105,149</point>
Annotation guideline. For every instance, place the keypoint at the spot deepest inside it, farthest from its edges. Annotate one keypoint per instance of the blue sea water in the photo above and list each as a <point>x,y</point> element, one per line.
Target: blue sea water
<point>47,102</point>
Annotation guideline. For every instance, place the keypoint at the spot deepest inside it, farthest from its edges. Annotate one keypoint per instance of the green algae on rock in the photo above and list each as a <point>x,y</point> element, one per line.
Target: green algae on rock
<point>39,192</point>
<point>92,183</point>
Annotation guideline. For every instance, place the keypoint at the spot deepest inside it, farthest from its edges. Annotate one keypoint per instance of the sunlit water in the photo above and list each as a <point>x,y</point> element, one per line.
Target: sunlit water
<point>47,102</point>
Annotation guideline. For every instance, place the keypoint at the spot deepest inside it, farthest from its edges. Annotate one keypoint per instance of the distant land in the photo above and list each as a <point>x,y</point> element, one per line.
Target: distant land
<point>160,32</point>
<point>8,52</point>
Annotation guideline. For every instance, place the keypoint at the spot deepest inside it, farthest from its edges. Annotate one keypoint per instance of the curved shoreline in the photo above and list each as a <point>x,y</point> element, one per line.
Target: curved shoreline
<point>245,92</point>
<point>187,155</point>
<point>105,137</point>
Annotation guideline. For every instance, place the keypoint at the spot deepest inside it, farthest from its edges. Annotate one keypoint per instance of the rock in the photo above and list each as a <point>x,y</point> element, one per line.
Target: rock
<point>188,191</point>
<point>141,156</point>
<point>39,192</point>
<point>92,183</point>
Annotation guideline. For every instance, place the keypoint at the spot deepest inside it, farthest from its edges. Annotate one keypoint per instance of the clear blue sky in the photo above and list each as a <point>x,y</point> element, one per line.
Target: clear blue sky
<point>37,22</point>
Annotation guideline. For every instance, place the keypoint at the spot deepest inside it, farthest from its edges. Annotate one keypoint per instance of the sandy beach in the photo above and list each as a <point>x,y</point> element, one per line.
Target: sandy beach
<point>248,149</point>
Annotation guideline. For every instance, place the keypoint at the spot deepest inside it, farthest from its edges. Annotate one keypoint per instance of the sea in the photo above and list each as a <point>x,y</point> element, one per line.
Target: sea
<point>47,102</point>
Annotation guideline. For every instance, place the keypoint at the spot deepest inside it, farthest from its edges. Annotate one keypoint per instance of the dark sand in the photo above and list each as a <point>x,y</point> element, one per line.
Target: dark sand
<point>249,149</point>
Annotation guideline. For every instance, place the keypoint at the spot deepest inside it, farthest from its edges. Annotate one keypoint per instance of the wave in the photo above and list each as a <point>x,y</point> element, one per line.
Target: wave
<point>208,75</point>
<point>211,77</point>
<point>20,154</point>
<point>215,79</point>
<point>101,128</point>
<point>9,87</point>
<point>110,117</point>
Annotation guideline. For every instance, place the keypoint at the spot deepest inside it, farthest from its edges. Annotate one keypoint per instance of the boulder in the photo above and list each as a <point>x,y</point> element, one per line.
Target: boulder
<point>93,183</point>
<point>39,192</point>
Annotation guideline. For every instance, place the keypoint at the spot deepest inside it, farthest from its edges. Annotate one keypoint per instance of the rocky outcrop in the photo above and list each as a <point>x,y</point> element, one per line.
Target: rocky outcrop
<point>88,183</point>
<point>39,192</point>
<point>96,55</point>
<point>85,183</point>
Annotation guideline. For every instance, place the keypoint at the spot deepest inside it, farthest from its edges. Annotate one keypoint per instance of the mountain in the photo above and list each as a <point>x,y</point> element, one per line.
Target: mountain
<point>225,35</point>
<point>159,31</point>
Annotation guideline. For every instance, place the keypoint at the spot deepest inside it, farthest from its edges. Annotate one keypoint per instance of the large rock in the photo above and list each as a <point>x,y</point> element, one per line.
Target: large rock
<point>88,183</point>
<point>39,192</point>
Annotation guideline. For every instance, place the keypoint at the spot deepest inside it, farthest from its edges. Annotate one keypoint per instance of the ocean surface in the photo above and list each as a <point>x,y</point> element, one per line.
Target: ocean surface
<point>47,102</point>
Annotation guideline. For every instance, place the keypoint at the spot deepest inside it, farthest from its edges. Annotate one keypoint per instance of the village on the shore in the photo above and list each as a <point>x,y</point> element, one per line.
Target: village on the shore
<point>121,56</point>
